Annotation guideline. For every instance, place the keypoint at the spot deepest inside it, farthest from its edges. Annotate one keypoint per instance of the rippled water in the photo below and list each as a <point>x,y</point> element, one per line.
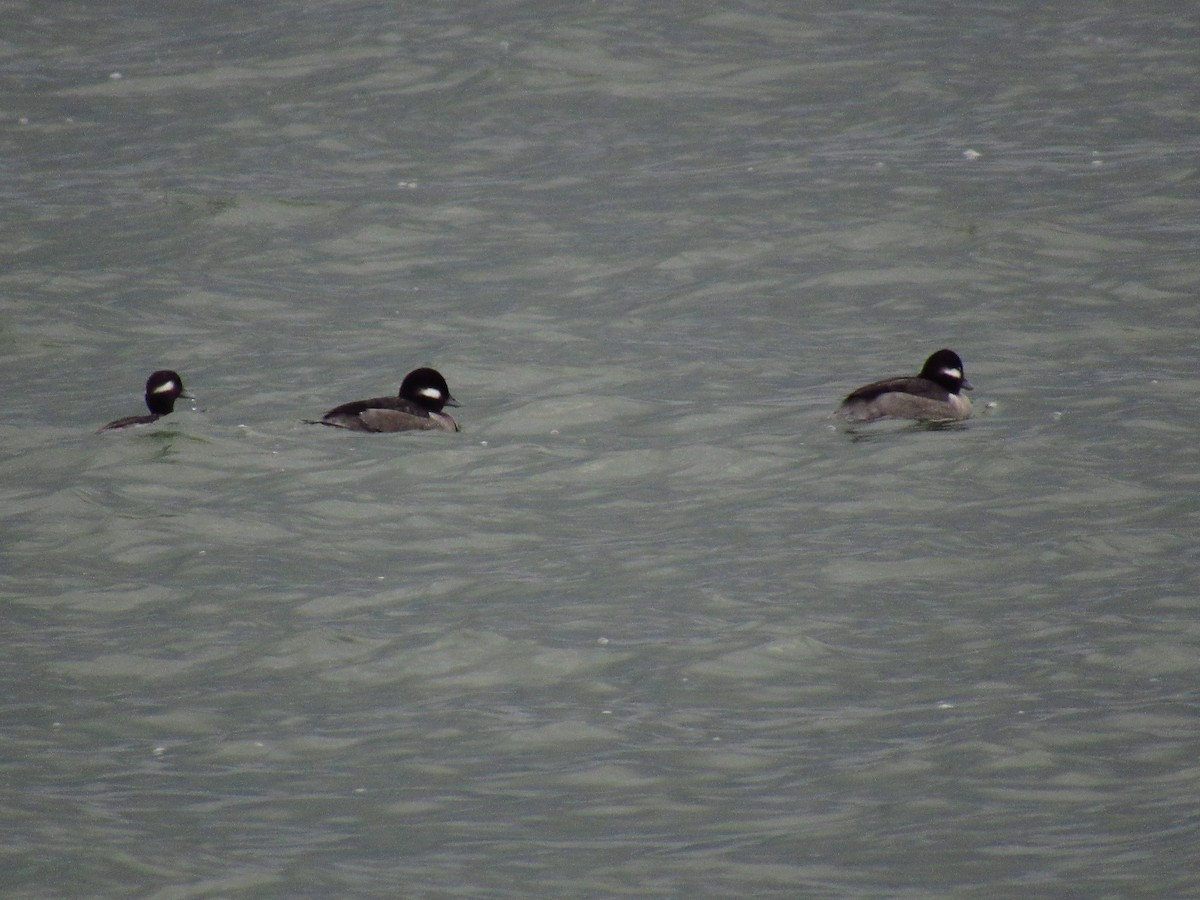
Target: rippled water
<point>649,625</point>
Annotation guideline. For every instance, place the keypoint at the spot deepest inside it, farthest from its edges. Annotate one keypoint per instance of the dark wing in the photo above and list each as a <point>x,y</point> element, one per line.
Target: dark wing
<point>128,421</point>
<point>916,387</point>
<point>380,414</point>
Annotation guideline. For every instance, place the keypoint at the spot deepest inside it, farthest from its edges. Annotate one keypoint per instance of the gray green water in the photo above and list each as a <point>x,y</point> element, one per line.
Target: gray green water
<point>648,626</point>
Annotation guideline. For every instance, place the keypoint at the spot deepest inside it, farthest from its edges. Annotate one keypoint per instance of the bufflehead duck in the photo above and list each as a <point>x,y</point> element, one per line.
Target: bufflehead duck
<point>163,388</point>
<point>931,396</point>
<point>418,407</point>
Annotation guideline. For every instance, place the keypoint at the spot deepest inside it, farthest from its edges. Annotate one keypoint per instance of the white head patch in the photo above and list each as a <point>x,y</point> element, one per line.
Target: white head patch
<point>166,387</point>
<point>953,373</point>
<point>431,392</point>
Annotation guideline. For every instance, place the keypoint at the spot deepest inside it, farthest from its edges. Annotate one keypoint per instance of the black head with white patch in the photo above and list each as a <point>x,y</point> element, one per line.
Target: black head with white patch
<point>427,388</point>
<point>945,368</point>
<point>163,388</point>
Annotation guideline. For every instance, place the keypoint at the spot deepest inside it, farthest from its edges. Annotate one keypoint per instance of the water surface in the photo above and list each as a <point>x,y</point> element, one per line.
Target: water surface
<point>649,625</point>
